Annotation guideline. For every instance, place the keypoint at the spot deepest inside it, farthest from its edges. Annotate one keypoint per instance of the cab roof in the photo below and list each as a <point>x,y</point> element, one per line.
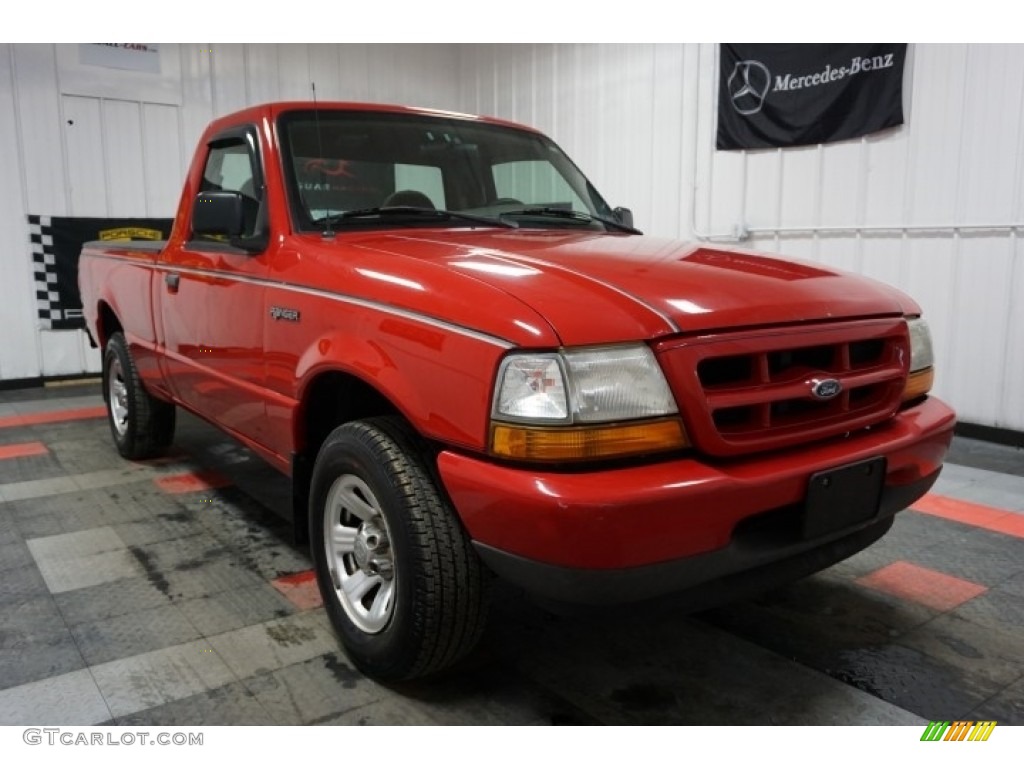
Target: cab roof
<point>272,110</point>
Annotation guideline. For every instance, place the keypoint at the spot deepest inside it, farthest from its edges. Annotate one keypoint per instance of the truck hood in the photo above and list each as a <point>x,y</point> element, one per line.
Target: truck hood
<point>599,288</point>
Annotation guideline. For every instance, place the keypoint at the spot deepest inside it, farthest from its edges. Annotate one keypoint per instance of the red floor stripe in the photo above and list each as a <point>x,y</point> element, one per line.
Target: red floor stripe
<point>18,450</point>
<point>49,417</point>
<point>1011,525</point>
<point>978,515</point>
<point>933,589</point>
<point>174,457</point>
<point>188,482</point>
<point>301,589</point>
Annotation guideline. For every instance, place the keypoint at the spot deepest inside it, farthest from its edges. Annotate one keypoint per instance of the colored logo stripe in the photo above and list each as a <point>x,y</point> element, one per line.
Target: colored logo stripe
<point>935,730</point>
<point>982,730</point>
<point>958,730</point>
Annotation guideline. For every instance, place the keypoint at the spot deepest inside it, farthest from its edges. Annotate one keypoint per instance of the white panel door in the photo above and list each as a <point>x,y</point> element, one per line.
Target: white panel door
<point>164,162</point>
<point>87,171</point>
<point>86,165</point>
<point>125,172</point>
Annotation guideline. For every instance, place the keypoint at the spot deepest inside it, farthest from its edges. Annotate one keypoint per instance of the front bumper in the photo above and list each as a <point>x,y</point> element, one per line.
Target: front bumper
<point>618,535</point>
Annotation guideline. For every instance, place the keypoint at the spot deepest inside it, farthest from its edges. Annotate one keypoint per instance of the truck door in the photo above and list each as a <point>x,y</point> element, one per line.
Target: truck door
<point>212,300</point>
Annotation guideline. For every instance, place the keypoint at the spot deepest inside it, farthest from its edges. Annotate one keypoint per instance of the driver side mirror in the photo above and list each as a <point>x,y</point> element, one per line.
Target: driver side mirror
<point>218,214</point>
<point>227,216</point>
<point>624,215</point>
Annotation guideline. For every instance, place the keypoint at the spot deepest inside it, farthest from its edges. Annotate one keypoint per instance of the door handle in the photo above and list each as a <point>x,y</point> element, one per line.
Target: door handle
<point>172,279</point>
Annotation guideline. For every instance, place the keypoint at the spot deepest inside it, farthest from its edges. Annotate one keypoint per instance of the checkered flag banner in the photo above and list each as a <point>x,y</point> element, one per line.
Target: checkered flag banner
<point>44,265</point>
<point>56,244</point>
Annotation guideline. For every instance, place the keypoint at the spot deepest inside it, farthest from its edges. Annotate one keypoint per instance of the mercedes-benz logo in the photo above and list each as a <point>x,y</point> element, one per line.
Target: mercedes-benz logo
<point>748,86</point>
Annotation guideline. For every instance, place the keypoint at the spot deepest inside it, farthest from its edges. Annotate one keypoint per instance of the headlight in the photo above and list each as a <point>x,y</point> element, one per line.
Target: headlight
<point>921,355</point>
<point>532,387</point>
<point>617,383</point>
<point>922,360</point>
<point>583,404</point>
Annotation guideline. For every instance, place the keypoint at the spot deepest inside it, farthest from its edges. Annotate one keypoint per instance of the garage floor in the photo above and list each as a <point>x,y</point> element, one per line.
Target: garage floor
<point>168,593</point>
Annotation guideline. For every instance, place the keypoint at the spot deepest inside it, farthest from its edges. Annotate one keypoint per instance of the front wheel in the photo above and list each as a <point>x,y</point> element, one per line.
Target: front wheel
<point>401,583</point>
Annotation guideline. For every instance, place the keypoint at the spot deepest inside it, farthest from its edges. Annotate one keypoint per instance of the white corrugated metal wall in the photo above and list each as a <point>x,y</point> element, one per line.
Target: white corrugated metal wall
<point>639,119</point>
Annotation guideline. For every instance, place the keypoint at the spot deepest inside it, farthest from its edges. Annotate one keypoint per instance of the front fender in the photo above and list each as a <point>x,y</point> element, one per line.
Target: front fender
<point>440,381</point>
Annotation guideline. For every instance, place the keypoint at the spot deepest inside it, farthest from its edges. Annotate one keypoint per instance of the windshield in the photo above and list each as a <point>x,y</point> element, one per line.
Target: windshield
<point>356,163</point>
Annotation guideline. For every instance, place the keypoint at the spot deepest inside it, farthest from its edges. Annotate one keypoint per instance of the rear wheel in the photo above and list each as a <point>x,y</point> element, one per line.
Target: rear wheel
<point>142,426</point>
<point>401,582</point>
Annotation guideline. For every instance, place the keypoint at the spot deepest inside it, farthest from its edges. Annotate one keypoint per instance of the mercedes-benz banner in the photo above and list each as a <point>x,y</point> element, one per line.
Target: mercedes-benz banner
<point>793,94</point>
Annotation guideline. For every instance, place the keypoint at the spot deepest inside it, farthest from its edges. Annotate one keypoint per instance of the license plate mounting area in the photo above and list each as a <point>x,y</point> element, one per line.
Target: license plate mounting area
<point>842,497</point>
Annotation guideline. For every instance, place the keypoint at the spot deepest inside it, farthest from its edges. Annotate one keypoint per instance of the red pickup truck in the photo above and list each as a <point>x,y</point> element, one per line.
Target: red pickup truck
<point>470,364</point>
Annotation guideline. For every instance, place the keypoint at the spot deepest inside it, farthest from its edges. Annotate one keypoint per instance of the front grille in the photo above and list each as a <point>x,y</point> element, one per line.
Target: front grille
<point>754,391</point>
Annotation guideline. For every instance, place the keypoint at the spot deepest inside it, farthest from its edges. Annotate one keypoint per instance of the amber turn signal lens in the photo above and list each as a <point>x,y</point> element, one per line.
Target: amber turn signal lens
<point>528,443</point>
<point>918,383</point>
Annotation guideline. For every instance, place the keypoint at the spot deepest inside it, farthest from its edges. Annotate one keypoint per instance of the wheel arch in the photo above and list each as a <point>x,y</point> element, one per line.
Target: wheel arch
<point>406,372</point>
<point>329,398</point>
<point>107,323</point>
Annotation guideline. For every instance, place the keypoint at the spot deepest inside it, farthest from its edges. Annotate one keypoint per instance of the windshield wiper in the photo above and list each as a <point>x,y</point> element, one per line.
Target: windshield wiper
<point>566,213</point>
<point>412,210</point>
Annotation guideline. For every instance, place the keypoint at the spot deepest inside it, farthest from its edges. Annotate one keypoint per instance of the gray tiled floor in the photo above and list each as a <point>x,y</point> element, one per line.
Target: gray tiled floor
<point>980,556</point>
<point>110,600</point>
<point>133,633</point>
<point>20,584</point>
<point>65,566</point>
<point>1010,699</point>
<point>31,654</point>
<point>234,609</point>
<point>275,644</point>
<point>309,691</point>
<point>119,602</point>
<point>29,470</point>
<point>998,459</point>
<point>150,679</point>
<point>68,699</point>
<point>981,650</point>
<point>231,704</point>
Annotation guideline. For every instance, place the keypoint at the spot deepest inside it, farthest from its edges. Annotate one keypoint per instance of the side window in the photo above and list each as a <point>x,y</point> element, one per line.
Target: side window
<point>229,168</point>
<point>534,182</point>
<point>421,178</point>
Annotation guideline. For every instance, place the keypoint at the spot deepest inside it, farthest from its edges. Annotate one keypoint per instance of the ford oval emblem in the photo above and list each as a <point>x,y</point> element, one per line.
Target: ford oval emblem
<point>825,389</point>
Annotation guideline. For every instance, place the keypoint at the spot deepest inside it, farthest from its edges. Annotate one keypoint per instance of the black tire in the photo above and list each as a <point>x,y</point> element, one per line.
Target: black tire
<point>437,604</point>
<point>142,426</point>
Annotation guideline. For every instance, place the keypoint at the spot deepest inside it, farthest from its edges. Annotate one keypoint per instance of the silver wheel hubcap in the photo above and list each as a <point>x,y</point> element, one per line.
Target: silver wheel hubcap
<point>358,548</point>
<point>117,393</point>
